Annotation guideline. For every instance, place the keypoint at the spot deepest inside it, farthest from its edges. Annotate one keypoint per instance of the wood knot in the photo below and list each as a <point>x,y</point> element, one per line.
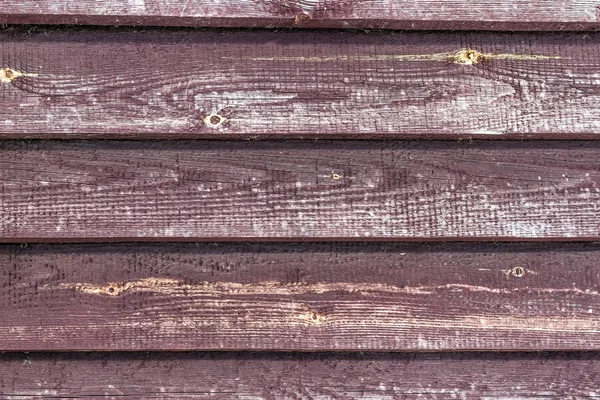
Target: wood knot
<point>8,75</point>
<point>214,120</point>
<point>313,317</point>
<point>301,19</point>
<point>468,57</point>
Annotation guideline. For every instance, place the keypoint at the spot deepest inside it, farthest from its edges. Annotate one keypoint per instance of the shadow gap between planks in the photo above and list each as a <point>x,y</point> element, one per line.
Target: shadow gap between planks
<point>273,376</point>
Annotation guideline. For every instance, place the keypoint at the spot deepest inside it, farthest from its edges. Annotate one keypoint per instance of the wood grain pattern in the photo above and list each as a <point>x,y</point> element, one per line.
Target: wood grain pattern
<point>300,376</point>
<point>355,190</point>
<point>394,14</point>
<point>300,297</point>
<point>258,84</point>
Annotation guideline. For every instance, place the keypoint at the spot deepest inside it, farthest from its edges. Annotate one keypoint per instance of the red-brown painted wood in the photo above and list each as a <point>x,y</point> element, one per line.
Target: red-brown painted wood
<point>300,376</point>
<point>384,297</point>
<point>160,83</point>
<point>394,14</point>
<point>293,190</point>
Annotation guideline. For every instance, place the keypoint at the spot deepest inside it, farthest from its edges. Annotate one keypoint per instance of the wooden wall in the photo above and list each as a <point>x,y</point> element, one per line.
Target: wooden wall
<point>193,211</point>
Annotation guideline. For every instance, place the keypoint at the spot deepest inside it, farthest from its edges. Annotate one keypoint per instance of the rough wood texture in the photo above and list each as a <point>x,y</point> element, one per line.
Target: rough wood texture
<point>395,14</point>
<point>300,376</point>
<point>300,297</point>
<point>207,191</point>
<point>187,84</point>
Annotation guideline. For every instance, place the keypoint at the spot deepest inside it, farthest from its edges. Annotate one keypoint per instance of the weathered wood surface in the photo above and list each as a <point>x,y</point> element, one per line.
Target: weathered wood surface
<point>293,190</point>
<point>188,84</point>
<point>395,14</point>
<point>309,297</point>
<point>300,376</point>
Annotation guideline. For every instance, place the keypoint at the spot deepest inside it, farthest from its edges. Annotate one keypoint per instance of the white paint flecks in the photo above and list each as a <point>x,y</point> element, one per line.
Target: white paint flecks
<point>217,101</point>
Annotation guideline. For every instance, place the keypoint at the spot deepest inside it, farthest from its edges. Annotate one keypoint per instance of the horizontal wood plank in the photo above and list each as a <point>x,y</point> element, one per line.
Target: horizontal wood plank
<point>300,376</point>
<point>116,83</point>
<point>308,297</point>
<point>293,190</point>
<point>394,14</point>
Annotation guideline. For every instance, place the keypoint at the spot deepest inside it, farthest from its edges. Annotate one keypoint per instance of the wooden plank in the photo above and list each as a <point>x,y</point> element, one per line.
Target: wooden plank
<point>300,376</point>
<point>203,84</point>
<point>394,14</point>
<point>209,191</point>
<point>384,297</point>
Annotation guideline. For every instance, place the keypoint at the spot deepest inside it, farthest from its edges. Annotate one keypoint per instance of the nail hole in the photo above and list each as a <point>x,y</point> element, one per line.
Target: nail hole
<point>518,271</point>
<point>215,120</point>
<point>111,290</point>
<point>23,245</point>
<point>301,19</point>
<point>336,176</point>
<point>314,316</point>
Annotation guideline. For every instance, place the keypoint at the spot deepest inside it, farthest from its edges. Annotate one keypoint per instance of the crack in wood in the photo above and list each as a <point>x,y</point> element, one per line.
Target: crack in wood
<point>179,287</point>
<point>465,57</point>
